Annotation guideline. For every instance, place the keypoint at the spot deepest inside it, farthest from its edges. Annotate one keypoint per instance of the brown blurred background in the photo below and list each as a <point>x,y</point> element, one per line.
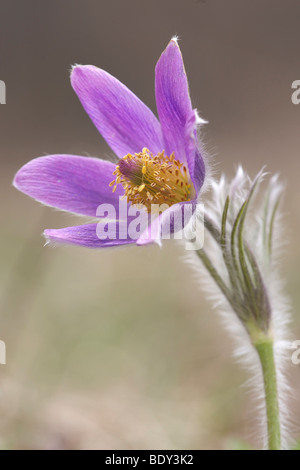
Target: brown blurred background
<point>119,349</point>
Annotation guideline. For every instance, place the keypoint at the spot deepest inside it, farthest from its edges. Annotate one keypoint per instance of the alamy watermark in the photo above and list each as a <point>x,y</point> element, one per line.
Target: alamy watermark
<point>2,92</point>
<point>180,222</point>
<point>296,94</point>
<point>2,353</point>
<point>296,354</point>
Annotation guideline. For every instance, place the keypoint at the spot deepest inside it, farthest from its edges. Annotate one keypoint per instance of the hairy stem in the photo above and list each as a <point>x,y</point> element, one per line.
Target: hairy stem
<point>265,349</point>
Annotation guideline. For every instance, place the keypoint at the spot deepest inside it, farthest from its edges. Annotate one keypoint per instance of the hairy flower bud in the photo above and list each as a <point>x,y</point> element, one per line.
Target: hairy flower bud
<point>241,227</point>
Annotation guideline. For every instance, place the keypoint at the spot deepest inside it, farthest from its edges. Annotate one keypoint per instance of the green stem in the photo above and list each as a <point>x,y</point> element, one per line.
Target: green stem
<point>265,349</point>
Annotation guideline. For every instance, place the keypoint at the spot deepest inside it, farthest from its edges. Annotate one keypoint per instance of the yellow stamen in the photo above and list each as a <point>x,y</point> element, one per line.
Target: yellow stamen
<point>148,179</point>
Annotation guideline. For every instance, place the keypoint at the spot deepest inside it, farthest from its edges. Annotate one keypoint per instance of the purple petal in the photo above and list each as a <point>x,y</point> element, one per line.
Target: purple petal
<point>172,220</point>
<point>152,234</point>
<point>176,218</point>
<point>178,120</point>
<point>172,98</point>
<point>124,121</point>
<point>68,182</point>
<point>86,236</point>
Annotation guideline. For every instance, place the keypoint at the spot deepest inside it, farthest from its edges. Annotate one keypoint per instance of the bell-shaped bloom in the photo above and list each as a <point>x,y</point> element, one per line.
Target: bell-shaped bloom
<point>160,161</point>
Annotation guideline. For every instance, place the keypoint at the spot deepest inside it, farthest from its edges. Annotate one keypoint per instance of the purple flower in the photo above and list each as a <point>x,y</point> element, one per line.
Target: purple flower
<point>159,160</point>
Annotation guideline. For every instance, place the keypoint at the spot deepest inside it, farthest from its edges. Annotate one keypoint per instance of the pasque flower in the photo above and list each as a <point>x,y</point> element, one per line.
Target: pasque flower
<point>160,161</point>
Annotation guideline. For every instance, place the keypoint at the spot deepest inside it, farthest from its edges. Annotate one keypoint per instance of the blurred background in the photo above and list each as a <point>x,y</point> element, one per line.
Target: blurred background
<point>118,348</point>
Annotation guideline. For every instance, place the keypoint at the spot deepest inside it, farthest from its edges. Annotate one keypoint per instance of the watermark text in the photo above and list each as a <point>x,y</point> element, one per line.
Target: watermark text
<point>296,93</point>
<point>296,354</point>
<point>2,353</point>
<point>138,224</point>
<point>2,92</point>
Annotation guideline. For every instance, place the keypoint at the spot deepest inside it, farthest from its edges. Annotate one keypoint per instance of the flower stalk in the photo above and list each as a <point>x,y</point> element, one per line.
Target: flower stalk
<point>265,349</point>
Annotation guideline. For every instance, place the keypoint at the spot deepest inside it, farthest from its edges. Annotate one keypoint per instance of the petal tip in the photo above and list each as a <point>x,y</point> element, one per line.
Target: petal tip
<point>15,181</point>
<point>51,240</point>
<point>18,178</point>
<point>47,238</point>
<point>173,45</point>
<point>23,176</point>
<point>77,73</point>
<point>75,66</point>
<point>75,70</point>
<point>175,39</point>
<point>199,119</point>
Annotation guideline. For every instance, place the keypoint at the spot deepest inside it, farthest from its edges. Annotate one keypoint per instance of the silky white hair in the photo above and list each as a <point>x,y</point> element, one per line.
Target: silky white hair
<point>263,213</point>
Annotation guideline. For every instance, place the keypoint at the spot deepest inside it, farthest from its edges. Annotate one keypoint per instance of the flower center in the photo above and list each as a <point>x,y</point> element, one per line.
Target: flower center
<point>149,179</point>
